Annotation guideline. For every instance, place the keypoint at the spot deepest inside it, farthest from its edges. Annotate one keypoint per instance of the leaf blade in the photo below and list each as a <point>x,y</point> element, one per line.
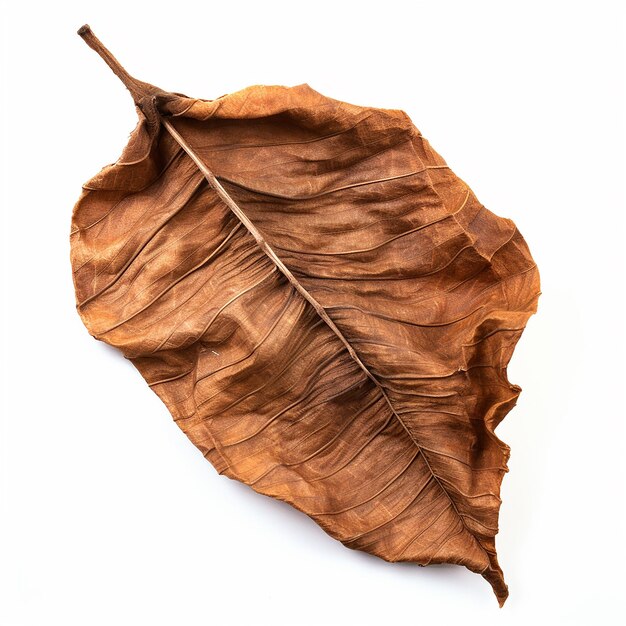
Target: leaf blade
<point>411,292</point>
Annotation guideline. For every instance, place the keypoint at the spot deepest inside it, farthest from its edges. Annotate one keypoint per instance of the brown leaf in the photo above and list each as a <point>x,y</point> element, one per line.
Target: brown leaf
<point>324,307</point>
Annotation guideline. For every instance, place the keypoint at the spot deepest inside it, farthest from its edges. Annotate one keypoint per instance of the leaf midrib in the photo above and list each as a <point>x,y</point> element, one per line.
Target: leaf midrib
<point>268,250</point>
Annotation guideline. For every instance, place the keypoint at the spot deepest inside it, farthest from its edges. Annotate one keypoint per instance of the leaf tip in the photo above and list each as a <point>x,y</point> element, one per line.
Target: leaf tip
<point>493,575</point>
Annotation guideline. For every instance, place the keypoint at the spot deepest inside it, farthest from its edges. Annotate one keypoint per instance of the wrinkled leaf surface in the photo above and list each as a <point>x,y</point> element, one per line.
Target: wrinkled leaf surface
<point>325,308</point>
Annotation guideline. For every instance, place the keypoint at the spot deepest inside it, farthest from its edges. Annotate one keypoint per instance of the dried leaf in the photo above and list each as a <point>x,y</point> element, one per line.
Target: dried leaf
<point>325,308</point>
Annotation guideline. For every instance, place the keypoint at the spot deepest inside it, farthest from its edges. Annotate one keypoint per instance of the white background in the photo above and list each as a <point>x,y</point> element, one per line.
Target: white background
<point>109,515</point>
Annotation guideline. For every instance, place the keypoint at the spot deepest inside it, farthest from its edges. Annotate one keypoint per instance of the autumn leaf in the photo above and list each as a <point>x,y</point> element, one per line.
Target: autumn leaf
<point>325,308</point>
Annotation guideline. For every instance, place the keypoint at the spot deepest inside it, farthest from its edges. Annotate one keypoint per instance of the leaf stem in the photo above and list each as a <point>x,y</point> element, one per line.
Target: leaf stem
<point>138,89</point>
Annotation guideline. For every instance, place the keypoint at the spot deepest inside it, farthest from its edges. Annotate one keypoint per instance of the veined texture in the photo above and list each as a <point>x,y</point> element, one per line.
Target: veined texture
<point>325,308</point>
